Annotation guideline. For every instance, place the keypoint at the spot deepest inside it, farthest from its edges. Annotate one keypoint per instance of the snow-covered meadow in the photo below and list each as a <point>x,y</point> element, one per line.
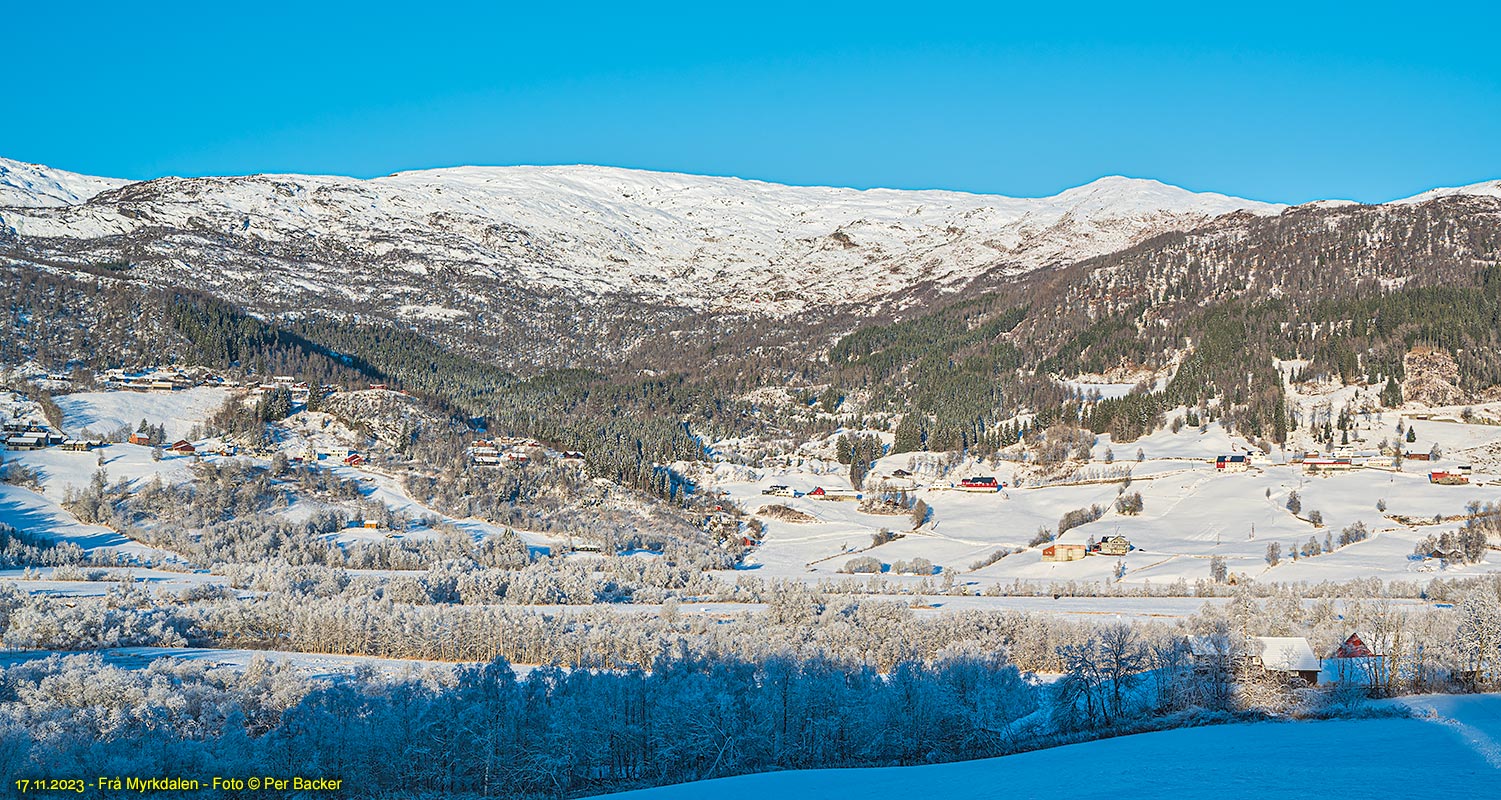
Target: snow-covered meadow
<point>1456,751</point>
<point>1191,513</point>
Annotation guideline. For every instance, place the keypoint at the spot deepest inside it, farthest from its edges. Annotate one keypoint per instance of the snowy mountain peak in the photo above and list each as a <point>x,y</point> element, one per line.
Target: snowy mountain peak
<point>24,185</point>
<point>1121,195</point>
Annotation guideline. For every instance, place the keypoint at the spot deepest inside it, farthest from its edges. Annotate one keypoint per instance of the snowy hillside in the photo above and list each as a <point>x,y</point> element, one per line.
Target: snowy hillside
<point>691,241</point>
<point>1482,189</point>
<point>33,185</point>
<point>1450,751</point>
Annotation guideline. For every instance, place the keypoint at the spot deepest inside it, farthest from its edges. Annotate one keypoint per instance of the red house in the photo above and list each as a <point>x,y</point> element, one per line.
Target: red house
<point>140,438</point>
<point>354,459</point>
<point>183,447</point>
<point>817,492</point>
<point>980,482</point>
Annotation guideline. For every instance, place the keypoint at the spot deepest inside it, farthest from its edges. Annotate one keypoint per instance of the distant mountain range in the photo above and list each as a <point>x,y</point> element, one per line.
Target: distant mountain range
<point>448,243</point>
<point>519,259</point>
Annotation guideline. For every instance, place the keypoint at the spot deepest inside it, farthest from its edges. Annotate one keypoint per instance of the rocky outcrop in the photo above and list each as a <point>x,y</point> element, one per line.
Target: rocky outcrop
<point>1432,377</point>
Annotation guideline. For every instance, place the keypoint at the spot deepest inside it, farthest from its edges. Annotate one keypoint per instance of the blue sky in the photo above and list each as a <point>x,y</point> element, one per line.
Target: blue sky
<point>1284,103</point>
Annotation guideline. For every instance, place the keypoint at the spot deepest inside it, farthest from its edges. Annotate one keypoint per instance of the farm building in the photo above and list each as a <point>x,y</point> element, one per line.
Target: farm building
<point>140,439</point>
<point>484,453</point>
<point>1327,464</point>
<point>81,445</point>
<point>26,441</point>
<point>183,447</point>
<point>1357,659</point>
<point>1232,463</point>
<point>353,460</point>
<point>1114,546</point>
<point>1288,656</point>
<point>980,483</point>
<point>1417,456</point>
<point>1064,552</point>
<point>1444,478</point>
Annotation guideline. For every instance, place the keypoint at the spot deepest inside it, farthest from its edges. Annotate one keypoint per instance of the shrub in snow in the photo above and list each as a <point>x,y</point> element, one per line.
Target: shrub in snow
<point>1080,516</point>
<point>862,564</point>
<point>917,566</point>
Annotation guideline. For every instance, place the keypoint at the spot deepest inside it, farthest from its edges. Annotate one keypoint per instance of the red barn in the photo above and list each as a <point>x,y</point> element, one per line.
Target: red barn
<point>140,438</point>
<point>354,459</point>
<point>183,447</point>
<point>1353,647</point>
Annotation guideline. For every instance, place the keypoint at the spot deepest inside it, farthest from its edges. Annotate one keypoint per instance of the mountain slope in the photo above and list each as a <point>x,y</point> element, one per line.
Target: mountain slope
<point>34,186</point>
<point>593,232</point>
<point>1482,189</point>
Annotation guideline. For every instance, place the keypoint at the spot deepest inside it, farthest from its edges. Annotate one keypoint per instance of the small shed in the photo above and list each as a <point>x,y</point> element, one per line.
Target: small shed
<point>1211,653</point>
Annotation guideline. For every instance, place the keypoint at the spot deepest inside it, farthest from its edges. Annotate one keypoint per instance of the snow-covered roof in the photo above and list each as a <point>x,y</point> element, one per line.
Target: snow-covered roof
<point>1285,653</point>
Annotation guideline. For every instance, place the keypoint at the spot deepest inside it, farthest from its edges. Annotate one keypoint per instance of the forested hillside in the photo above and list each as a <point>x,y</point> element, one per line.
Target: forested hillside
<point>1199,316</point>
<point>1347,290</point>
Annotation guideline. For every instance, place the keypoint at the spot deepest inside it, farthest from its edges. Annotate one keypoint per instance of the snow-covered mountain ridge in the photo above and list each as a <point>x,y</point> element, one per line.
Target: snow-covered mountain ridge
<point>699,242</point>
<point>34,185</point>
<point>539,260</point>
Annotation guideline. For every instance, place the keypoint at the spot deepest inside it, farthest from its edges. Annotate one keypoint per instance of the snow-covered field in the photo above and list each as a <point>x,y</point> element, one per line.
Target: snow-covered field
<point>45,581</point>
<point>314,665</point>
<point>1191,513</point>
<point>1453,754</point>
<point>103,412</point>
